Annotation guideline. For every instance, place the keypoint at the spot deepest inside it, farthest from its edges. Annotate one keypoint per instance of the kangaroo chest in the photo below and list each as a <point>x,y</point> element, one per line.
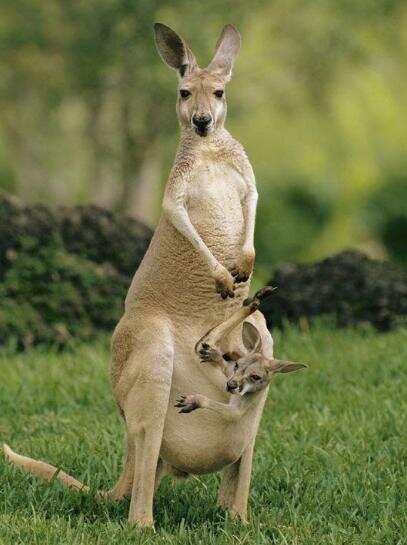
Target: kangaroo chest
<point>215,183</point>
<point>214,202</point>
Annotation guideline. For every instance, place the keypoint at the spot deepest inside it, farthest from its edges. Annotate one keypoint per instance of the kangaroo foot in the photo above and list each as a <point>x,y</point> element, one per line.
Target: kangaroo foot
<point>259,297</point>
<point>143,522</point>
<point>238,515</point>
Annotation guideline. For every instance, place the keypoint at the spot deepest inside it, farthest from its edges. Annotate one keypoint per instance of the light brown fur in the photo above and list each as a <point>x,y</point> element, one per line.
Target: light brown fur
<point>193,276</point>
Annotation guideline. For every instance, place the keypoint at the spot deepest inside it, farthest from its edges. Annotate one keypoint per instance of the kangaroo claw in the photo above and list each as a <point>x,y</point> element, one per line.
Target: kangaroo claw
<point>260,296</point>
<point>187,403</point>
<point>207,353</point>
<point>238,276</point>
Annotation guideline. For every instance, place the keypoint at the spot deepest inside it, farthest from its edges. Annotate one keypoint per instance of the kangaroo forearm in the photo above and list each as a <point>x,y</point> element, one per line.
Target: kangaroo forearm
<point>249,205</point>
<point>179,218</point>
<point>224,410</point>
<point>217,333</point>
<point>174,208</point>
<point>218,361</point>
<point>249,210</point>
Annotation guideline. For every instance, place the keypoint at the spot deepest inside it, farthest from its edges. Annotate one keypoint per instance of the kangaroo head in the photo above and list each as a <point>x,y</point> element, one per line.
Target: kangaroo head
<point>254,371</point>
<point>201,102</point>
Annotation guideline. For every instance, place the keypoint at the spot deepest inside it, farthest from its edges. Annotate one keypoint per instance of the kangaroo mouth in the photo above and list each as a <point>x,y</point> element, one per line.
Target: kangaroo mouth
<point>233,390</point>
<point>201,132</point>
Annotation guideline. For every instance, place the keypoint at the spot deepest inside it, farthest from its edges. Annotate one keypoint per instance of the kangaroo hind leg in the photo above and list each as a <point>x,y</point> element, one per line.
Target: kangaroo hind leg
<point>145,409</point>
<point>216,334</point>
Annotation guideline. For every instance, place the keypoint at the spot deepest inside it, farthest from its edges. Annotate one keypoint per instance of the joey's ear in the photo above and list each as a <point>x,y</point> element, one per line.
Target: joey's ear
<point>226,51</point>
<point>251,337</point>
<point>173,50</point>
<point>282,366</point>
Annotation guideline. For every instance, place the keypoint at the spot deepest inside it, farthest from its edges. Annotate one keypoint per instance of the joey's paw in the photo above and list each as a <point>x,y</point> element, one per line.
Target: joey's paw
<point>224,282</point>
<point>258,298</point>
<point>208,353</point>
<point>187,403</point>
<point>242,270</point>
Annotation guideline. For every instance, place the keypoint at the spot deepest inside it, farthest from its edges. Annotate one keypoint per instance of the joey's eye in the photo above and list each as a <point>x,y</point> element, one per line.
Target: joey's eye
<point>236,366</point>
<point>255,378</point>
<point>218,93</point>
<point>184,93</point>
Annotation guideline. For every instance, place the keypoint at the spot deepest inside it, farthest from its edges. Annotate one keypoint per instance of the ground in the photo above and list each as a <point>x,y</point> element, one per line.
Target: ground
<point>329,465</point>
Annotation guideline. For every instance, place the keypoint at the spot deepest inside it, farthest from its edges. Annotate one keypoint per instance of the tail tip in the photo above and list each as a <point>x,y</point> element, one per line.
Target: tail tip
<point>7,451</point>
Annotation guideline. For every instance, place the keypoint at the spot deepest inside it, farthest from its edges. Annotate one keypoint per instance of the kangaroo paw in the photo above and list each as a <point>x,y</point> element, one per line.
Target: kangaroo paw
<point>208,353</point>
<point>187,403</point>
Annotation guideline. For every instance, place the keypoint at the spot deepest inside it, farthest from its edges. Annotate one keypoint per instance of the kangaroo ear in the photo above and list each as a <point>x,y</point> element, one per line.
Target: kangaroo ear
<point>173,50</point>
<point>281,366</point>
<point>226,51</point>
<point>251,337</point>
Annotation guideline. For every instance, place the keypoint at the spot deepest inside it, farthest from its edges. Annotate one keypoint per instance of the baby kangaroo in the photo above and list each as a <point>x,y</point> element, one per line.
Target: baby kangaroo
<point>246,374</point>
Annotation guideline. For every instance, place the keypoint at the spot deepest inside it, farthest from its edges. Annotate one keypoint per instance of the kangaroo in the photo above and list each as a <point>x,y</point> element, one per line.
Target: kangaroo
<point>194,275</point>
<point>246,374</point>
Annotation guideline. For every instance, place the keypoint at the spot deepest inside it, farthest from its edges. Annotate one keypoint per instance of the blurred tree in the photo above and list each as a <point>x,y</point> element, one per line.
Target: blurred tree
<point>318,99</point>
<point>386,212</point>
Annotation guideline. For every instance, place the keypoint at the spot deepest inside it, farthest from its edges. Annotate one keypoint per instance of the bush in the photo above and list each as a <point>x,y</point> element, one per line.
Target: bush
<point>102,237</point>
<point>88,231</point>
<point>64,273</point>
<point>349,286</point>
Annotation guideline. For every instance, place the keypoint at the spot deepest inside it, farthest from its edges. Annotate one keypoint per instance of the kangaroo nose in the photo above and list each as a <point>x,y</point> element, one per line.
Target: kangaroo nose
<point>202,121</point>
<point>231,385</point>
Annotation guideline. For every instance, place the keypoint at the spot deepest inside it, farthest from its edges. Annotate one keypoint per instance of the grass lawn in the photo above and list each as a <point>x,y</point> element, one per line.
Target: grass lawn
<point>329,465</point>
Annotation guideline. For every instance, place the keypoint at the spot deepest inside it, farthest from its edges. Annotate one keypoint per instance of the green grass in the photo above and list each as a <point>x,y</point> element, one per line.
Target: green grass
<point>329,465</point>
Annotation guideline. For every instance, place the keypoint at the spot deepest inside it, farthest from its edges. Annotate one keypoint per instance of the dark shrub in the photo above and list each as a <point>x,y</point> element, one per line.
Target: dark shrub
<point>101,236</point>
<point>88,231</point>
<point>64,273</point>
<point>349,286</point>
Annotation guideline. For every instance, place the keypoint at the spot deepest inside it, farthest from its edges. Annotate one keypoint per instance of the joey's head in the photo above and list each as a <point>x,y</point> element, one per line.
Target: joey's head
<point>254,371</point>
<point>201,101</point>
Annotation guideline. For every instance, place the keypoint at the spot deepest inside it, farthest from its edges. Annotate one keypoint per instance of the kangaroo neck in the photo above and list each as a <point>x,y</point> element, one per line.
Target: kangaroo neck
<point>193,145</point>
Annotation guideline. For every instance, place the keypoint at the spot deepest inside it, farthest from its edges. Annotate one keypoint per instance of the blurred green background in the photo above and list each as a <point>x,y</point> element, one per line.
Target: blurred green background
<point>318,99</point>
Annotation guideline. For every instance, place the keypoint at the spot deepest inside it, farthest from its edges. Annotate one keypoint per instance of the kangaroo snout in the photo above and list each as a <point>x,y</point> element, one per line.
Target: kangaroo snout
<point>201,123</point>
<point>232,386</point>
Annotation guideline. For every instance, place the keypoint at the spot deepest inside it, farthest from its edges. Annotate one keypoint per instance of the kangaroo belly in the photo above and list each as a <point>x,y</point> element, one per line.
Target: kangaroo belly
<point>200,444</point>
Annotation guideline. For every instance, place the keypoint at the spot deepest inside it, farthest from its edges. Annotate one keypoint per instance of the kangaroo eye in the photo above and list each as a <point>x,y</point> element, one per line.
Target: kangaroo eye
<point>218,93</point>
<point>236,366</point>
<point>255,378</point>
<point>184,93</point>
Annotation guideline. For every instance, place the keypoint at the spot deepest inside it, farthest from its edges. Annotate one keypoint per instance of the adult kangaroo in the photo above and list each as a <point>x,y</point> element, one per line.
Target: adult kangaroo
<point>194,275</point>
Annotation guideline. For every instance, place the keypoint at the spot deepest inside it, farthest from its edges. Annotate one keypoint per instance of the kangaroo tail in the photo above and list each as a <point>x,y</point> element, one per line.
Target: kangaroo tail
<point>42,469</point>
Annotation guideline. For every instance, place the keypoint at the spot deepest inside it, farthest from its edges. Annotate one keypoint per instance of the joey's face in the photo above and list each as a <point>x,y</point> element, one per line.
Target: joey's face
<point>250,374</point>
<point>201,103</point>
<point>253,372</point>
